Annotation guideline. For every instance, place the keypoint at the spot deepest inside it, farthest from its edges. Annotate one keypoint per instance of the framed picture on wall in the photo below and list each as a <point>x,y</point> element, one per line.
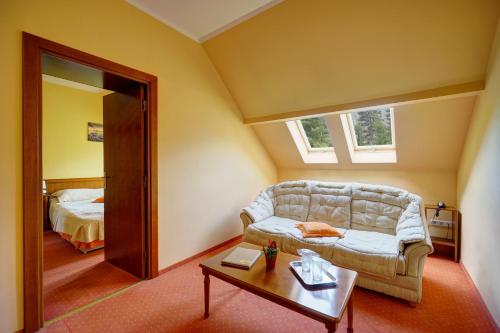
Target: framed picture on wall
<point>95,132</point>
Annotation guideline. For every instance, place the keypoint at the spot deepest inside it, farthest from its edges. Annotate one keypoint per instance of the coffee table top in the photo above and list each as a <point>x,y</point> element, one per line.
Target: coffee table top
<point>281,286</point>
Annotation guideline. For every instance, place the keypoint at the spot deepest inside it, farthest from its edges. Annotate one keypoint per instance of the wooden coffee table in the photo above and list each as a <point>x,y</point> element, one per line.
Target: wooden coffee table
<point>282,287</point>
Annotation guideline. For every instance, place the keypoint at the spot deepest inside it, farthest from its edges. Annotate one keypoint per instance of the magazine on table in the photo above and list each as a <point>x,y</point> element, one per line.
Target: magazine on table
<point>242,258</point>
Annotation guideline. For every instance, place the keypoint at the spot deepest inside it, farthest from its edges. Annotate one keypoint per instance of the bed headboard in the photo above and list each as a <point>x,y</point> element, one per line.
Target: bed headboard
<point>54,185</point>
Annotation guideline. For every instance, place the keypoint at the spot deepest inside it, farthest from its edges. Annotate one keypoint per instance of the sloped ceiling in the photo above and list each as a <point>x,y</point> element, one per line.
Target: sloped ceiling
<point>305,54</point>
<point>429,136</point>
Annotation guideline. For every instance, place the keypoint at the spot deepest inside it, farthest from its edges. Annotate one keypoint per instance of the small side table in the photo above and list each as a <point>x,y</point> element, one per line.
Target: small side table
<point>454,243</point>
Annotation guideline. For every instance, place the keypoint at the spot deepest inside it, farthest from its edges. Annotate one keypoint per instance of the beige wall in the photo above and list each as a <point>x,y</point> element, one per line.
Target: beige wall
<point>304,54</point>
<point>66,151</point>
<point>432,186</point>
<point>479,190</point>
<point>210,165</point>
<point>429,137</point>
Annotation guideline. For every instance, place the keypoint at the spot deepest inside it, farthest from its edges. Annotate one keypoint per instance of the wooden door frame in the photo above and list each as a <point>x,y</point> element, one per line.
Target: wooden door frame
<point>33,47</point>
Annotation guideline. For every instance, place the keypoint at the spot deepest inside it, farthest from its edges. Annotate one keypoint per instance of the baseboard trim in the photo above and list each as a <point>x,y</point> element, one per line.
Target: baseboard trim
<point>198,255</point>
<point>481,300</point>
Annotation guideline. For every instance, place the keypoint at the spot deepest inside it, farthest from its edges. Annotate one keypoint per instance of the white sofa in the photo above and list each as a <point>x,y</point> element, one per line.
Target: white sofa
<point>386,240</point>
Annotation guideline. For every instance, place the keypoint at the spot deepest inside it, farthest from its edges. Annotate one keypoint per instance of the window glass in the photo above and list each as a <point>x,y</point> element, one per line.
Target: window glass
<point>373,127</point>
<point>317,133</point>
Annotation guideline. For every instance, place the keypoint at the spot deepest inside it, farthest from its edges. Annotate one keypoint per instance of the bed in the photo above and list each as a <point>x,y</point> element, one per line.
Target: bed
<point>75,215</point>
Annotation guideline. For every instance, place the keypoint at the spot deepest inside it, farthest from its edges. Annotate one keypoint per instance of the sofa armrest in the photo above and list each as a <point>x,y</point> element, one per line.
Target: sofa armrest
<point>411,227</point>
<point>415,254</point>
<point>260,209</point>
<point>246,219</point>
<point>413,236</point>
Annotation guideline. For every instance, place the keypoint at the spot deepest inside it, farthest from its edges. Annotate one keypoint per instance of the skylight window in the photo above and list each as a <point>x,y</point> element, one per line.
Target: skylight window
<point>370,135</point>
<point>372,129</point>
<point>315,134</point>
<point>313,140</point>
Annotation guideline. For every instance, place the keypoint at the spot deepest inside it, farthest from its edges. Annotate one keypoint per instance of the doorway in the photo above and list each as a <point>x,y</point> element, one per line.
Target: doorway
<point>130,178</point>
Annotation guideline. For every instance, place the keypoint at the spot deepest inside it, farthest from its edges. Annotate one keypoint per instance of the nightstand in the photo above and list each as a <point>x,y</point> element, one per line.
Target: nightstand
<point>448,245</point>
<point>46,219</point>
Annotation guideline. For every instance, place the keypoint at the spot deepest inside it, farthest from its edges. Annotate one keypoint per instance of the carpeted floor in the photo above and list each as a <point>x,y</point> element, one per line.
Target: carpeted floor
<point>72,279</point>
<point>173,302</point>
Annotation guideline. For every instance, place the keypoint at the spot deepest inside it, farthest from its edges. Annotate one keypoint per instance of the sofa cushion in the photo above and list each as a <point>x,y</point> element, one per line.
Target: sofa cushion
<point>317,229</point>
<point>377,208</point>
<point>324,246</point>
<point>368,252</point>
<point>272,228</point>
<point>292,200</point>
<point>331,203</point>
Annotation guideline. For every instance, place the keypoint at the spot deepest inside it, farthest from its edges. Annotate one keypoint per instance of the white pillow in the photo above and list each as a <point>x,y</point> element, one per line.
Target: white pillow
<point>78,194</point>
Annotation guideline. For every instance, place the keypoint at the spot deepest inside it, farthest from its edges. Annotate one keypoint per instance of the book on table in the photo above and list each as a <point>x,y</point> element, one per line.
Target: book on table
<point>241,258</point>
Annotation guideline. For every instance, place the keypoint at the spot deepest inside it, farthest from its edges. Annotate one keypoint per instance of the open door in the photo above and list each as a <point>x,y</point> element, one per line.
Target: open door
<point>125,181</point>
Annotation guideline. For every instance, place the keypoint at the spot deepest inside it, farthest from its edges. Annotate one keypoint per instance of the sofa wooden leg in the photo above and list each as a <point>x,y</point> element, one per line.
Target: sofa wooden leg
<point>412,304</point>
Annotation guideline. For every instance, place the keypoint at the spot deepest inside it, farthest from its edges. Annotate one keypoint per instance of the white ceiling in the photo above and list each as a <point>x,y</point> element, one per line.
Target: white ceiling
<point>73,84</point>
<point>202,19</point>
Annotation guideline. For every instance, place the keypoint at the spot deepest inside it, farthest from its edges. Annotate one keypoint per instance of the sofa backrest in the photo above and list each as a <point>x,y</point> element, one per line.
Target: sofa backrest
<point>377,207</point>
<point>330,203</point>
<point>291,200</point>
<point>345,205</point>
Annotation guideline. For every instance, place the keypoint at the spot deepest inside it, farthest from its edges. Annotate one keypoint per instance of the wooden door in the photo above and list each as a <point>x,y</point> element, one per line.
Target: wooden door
<point>124,166</point>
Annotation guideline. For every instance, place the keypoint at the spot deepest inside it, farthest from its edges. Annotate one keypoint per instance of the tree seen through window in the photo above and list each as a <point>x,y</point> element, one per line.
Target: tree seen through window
<point>373,127</point>
<point>317,132</point>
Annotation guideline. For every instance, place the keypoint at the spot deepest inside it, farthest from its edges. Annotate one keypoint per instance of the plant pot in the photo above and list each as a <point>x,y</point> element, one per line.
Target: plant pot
<point>270,262</point>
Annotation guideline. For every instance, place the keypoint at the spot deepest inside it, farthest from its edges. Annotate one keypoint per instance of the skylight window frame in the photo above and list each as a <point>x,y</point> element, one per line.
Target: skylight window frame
<point>315,155</point>
<point>303,134</point>
<point>354,139</point>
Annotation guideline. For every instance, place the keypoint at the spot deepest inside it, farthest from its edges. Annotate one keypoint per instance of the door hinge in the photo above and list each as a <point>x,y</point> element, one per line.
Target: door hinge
<point>145,254</point>
<point>144,105</point>
<point>145,181</point>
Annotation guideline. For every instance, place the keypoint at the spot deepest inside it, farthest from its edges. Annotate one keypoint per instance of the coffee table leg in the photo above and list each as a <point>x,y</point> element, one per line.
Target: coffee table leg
<point>207,294</point>
<point>350,316</point>
<point>331,327</point>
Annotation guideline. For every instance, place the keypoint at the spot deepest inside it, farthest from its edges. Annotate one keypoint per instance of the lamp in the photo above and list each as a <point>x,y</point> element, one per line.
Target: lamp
<point>440,205</point>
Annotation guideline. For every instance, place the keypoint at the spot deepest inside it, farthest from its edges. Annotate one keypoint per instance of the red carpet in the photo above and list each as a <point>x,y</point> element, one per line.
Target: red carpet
<point>173,302</point>
<point>72,279</point>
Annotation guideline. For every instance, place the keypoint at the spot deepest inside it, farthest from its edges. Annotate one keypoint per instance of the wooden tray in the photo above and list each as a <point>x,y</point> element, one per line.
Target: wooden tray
<point>327,281</point>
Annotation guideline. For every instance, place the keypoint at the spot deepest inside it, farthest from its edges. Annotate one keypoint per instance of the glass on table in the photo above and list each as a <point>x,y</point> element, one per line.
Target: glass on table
<point>306,258</point>
<point>317,268</point>
<point>306,262</point>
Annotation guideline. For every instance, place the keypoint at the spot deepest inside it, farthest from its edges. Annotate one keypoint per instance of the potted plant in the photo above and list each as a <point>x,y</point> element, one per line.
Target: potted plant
<point>271,252</point>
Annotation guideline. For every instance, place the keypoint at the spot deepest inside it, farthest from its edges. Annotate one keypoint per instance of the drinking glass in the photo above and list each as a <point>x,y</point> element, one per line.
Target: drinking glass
<point>306,261</point>
<point>317,268</point>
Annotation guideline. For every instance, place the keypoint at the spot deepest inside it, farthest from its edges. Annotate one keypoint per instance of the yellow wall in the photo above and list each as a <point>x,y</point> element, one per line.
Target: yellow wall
<point>479,190</point>
<point>305,54</point>
<point>66,151</point>
<point>210,165</point>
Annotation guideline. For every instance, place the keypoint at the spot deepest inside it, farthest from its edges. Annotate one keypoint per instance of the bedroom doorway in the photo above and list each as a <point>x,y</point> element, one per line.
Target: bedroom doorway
<point>80,264</point>
<point>71,207</point>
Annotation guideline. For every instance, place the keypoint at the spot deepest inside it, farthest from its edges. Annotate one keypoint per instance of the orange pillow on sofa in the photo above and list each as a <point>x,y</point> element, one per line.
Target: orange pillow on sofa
<point>99,200</point>
<point>318,229</point>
